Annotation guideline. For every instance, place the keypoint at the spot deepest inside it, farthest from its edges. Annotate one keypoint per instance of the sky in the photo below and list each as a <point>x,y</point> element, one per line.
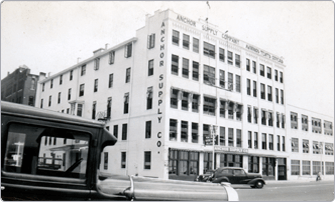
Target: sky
<point>50,36</point>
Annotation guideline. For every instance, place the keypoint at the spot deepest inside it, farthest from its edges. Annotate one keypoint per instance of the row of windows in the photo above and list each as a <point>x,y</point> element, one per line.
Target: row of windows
<point>267,117</point>
<point>318,147</point>
<point>263,95</point>
<point>267,141</point>
<point>235,110</point>
<point>315,122</point>
<point>317,166</point>
<point>147,160</point>
<point>60,81</point>
<point>262,71</point>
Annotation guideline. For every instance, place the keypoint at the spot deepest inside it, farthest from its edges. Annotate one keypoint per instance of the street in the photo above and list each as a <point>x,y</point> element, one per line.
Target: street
<point>288,191</point>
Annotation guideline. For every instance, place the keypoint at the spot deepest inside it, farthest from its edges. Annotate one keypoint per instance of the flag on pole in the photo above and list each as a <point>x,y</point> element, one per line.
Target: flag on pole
<point>208,5</point>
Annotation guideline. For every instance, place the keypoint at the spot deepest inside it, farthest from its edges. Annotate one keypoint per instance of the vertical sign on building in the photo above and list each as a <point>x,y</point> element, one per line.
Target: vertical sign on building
<point>161,79</point>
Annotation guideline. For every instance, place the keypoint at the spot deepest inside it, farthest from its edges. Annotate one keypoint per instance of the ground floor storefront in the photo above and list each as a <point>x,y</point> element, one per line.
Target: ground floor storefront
<point>186,164</point>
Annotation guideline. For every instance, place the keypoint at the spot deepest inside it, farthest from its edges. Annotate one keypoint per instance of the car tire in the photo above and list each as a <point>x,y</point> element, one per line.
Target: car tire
<point>252,186</point>
<point>259,184</point>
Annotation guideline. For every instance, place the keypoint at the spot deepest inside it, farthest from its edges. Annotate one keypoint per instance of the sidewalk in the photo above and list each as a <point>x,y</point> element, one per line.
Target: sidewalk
<point>296,181</point>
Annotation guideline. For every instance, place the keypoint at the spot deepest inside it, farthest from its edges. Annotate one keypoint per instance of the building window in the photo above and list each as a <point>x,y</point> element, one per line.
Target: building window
<point>231,110</point>
<point>281,77</point>
<point>184,101</point>
<point>147,160</point>
<point>128,50</point>
<point>96,85</point>
<point>81,90</point>
<point>294,121</point>
<point>328,128</point>
<point>237,60</point>
<point>249,114</point>
<point>175,37</point>
<point>283,121</point>
<point>94,107</point>
<point>253,164</point>
<point>277,96</point>
<point>238,109</point>
<point>83,70</point>
<point>49,101</point>
<point>238,83</point>
<point>247,64</point>
<point>230,81</point>
<point>195,73</point>
<point>111,57</point>
<point>329,150</point>
<point>317,147</point>
<point>109,107</point>
<point>254,89</point>
<point>184,131</point>
<point>123,159</point>
<point>255,115</point>
<point>60,79</point>
<point>209,106</point>
<point>195,133</point>
<point>221,54</point>
<point>270,118</point>
<point>124,131</point>
<point>316,125</point>
<point>174,64</point>
<point>69,94</point>
<point>249,139</point>
<point>115,131</point>
<point>248,87</point>
<point>126,103</point>
<point>206,135</point>
<point>278,120</point>
<point>223,108</point>
<point>269,72</point>
<point>105,160</point>
<point>230,58</point>
<point>41,103</point>
<point>264,142</point>
<point>305,146</point>
<point>68,110</point>
<point>96,63</point>
<point>238,138</point>
<point>51,83</point>
<point>222,136</point>
<point>79,109</point>
<point>209,50</point>
<point>282,96</point>
<point>151,41</point>
<point>209,75</point>
<point>222,79</point>
<point>264,117</point>
<point>195,103</point>
<point>263,91</point>
<point>278,142</point>
<point>329,168</point>
<point>173,129</point>
<point>254,67</point>
<point>174,98</point>
<point>261,69</point>
<point>148,129</point>
<point>306,167</point>
<point>59,97</point>
<point>295,145</point>
<point>230,137</point>
<point>270,142</point>
<point>196,45</point>
<point>269,93</point>
<point>304,122</point>
<point>186,41</point>
<point>283,143</point>
<point>185,67</point>
<point>149,97</point>
<point>276,75</point>
<point>151,67</point>
<point>31,101</point>
<point>255,140</point>
<point>295,167</point>
<point>128,75</point>
<point>316,167</point>
<point>43,86</point>
<point>110,81</point>
<point>71,75</point>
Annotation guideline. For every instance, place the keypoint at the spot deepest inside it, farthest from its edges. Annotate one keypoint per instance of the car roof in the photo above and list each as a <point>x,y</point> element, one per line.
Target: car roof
<point>34,112</point>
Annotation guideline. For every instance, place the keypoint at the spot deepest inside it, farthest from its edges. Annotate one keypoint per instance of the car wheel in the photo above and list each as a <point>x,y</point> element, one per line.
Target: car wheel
<point>259,184</point>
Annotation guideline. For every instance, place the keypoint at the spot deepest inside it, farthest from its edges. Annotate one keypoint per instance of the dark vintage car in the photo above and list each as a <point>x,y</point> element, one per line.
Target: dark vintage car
<point>47,155</point>
<point>233,175</point>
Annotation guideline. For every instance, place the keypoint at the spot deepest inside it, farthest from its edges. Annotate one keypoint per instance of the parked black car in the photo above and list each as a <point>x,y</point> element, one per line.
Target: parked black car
<point>233,175</point>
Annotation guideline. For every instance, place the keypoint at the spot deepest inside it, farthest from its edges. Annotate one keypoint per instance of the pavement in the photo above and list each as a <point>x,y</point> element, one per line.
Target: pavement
<point>296,181</point>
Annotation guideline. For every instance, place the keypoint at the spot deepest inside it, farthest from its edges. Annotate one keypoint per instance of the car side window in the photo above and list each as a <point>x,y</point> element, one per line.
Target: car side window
<point>230,171</point>
<point>239,172</point>
<point>46,151</point>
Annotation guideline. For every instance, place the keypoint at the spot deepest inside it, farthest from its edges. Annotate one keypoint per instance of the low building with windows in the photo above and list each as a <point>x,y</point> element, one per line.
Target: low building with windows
<point>20,86</point>
<point>182,97</point>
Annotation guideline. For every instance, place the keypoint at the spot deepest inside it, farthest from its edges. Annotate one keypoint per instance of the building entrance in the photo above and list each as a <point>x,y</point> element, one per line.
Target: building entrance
<point>282,169</point>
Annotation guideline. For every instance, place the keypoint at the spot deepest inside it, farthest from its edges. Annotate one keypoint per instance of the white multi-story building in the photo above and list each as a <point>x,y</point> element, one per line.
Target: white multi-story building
<point>166,92</point>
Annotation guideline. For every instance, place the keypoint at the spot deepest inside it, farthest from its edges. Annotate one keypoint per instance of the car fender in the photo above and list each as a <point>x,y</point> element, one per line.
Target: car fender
<point>220,179</point>
<point>253,181</point>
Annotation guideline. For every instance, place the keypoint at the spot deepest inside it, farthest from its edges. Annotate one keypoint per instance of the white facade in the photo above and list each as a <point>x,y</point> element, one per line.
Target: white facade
<point>184,95</point>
